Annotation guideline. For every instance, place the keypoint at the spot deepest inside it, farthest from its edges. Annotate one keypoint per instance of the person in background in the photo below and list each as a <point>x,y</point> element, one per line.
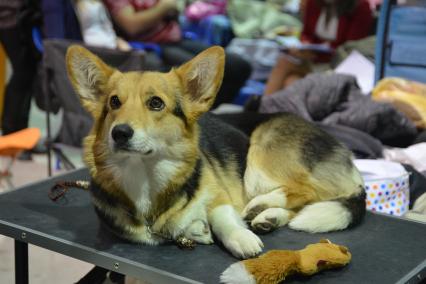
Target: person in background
<point>15,36</point>
<point>156,21</point>
<point>96,26</point>
<point>331,22</point>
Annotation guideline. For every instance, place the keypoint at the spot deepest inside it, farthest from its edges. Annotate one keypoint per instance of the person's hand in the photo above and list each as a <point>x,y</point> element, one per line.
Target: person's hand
<point>303,54</point>
<point>123,45</point>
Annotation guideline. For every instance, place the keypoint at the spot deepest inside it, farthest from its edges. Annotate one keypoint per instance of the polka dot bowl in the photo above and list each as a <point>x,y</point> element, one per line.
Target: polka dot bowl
<point>389,195</point>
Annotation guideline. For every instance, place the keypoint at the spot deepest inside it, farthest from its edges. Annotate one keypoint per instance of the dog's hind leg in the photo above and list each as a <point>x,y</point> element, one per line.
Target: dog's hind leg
<point>273,199</point>
<point>269,211</point>
<point>271,219</point>
<point>274,176</point>
<point>293,194</point>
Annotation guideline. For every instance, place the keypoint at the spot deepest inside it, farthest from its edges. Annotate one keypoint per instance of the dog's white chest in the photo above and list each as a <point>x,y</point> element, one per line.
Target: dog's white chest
<point>142,181</point>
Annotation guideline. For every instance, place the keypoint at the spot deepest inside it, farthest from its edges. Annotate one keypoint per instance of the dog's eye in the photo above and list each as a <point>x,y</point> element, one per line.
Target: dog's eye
<point>155,103</point>
<point>114,102</point>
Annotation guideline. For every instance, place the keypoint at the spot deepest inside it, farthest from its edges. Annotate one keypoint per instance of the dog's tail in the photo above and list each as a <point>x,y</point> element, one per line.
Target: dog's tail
<point>325,216</point>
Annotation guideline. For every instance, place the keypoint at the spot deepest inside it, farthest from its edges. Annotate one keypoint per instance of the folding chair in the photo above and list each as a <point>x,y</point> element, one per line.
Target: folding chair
<point>401,41</point>
<point>11,145</point>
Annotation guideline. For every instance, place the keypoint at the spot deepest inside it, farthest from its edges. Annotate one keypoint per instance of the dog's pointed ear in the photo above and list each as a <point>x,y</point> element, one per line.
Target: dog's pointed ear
<point>201,78</point>
<point>88,75</point>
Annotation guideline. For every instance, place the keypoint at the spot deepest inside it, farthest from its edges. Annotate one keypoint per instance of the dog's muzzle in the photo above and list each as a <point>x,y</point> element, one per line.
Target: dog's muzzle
<point>121,134</point>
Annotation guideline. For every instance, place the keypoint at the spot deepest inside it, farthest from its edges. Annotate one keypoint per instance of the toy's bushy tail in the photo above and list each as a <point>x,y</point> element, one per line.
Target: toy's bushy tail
<point>328,216</point>
<point>237,274</point>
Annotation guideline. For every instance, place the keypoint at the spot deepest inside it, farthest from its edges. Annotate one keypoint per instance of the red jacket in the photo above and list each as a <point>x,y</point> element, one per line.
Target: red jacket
<point>352,26</point>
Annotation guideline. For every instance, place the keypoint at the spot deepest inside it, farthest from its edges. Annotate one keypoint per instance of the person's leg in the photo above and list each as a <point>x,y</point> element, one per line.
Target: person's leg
<point>287,70</point>
<point>17,98</point>
<point>277,76</point>
<point>237,70</point>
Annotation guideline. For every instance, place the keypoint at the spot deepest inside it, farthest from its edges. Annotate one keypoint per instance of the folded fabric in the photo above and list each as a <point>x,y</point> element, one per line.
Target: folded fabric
<point>414,155</point>
<point>363,145</point>
<point>336,99</point>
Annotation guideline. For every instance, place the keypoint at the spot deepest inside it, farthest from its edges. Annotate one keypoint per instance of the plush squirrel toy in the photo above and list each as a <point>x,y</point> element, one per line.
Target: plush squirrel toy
<point>275,265</point>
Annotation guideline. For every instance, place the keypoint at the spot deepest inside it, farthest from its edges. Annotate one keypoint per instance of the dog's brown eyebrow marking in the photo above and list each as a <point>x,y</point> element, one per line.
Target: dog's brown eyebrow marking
<point>177,111</point>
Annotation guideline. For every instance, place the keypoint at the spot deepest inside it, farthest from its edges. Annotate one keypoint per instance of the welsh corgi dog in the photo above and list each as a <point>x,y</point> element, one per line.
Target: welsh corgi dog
<point>162,167</point>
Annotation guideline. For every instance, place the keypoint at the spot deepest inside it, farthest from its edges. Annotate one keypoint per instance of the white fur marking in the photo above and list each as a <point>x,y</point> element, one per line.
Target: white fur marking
<point>321,217</point>
<point>142,179</point>
<point>195,213</point>
<point>142,142</point>
<point>135,182</point>
<point>231,230</point>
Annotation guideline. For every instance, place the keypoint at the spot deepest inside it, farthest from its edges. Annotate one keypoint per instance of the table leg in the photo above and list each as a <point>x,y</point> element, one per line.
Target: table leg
<point>116,278</point>
<point>21,262</point>
<point>95,276</point>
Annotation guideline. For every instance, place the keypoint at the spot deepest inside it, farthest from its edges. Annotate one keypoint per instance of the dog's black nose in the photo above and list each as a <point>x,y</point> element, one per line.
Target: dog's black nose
<point>121,133</point>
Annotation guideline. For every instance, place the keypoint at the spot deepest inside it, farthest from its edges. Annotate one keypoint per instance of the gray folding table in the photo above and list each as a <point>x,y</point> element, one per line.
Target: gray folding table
<point>384,249</point>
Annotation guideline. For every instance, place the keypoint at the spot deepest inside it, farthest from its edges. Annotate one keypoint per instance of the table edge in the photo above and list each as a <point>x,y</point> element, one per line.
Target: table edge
<point>84,253</point>
<point>413,275</point>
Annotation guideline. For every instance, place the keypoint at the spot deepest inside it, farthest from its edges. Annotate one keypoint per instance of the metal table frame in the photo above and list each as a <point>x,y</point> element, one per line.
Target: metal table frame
<point>25,236</point>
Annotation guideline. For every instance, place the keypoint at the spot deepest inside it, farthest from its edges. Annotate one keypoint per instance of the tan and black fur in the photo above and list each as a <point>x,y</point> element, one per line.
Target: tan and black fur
<point>162,167</point>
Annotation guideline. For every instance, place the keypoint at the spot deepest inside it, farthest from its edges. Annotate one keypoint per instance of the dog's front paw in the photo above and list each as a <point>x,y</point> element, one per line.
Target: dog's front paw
<point>199,231</point>
<point>243,243</point>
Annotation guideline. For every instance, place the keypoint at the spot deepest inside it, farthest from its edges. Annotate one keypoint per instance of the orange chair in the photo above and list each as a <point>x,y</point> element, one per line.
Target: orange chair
<point>13,144</point>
